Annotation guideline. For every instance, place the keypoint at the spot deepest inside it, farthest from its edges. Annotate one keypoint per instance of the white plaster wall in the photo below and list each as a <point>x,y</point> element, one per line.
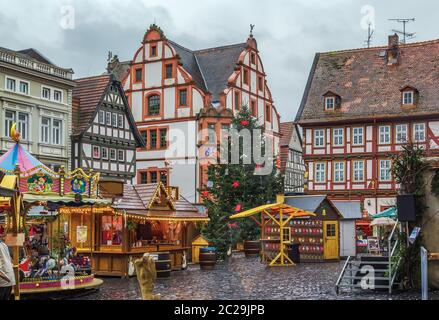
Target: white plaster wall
<point>169,103</point>
<point>136,107</point>
<point>153,74</point>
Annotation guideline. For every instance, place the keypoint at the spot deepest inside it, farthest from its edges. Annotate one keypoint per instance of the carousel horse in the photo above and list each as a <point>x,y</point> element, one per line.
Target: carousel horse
<point>47,264</point>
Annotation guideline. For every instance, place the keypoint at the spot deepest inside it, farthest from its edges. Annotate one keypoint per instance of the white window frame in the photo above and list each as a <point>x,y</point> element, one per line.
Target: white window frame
<point>120,152</point>
<point>104,153</point>
<point>319,138</point>
<point>6,84</point>
<point>47,128</point>
<point>115,154</point>
<point>339,171</point>
<point>27,87</point>
<point>108,118</point>
<point>359,135</point>
<point>320,172</point>
<point>8,122</point>
<point>59,130</point>
<point>114,120</point>
<point>328,106</point>
<point>50,93</point>
<point>101,117</point>
<point>358,172</point>
<point>410,94</point>
<point>386,134</point>
<point>93,152</point>
<point>416,130</point>
<point>120,120</point>
<point>399,133</point>
<point>60,95</point>
<point>338,137</point>
<point>385,177</point>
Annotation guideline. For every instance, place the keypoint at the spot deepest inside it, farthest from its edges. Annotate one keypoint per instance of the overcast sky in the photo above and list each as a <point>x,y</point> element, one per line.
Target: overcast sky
<point>289,32</point>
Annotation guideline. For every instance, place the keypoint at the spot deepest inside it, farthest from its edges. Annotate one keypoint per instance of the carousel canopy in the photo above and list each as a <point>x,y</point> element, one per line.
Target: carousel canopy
<point>18,155</point>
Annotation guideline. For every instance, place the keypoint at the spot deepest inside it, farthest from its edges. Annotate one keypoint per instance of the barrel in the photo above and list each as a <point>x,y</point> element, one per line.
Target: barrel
<point>252,248</point>
<point>163,264</point>
<point>207,258</point>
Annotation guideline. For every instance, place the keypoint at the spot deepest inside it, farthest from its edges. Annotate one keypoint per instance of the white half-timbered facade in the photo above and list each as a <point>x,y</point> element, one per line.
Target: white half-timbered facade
<point>104,137</point>
<point>362,106</point>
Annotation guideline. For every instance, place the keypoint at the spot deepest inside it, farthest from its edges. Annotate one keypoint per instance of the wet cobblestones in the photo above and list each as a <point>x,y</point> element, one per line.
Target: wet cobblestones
<point>246,278</point>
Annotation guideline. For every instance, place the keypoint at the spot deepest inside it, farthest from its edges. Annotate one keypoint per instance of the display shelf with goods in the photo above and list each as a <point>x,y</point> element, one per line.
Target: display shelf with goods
<point>307,233</point>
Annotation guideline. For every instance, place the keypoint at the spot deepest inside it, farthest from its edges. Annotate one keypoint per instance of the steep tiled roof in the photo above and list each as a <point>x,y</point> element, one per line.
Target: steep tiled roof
<point>286,130</point>
<point>87,95</point>
<point>368,87</point>
<point>217,65</point>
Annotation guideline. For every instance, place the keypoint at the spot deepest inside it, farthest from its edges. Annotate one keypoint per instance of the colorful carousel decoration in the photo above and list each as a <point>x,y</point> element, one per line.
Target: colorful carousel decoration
<point>39,193</point>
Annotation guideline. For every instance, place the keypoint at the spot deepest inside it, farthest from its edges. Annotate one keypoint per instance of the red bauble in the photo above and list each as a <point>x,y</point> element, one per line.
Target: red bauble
<point>205,194</point>
<point>245,123</point>
<point>238,207</point>
<point>235,184</point>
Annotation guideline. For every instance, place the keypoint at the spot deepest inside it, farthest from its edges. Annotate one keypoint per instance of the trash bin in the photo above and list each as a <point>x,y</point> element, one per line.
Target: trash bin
<point>293,252</point>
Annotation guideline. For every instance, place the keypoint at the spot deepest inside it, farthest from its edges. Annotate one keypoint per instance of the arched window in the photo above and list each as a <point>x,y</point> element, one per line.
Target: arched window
<point>153,105</point>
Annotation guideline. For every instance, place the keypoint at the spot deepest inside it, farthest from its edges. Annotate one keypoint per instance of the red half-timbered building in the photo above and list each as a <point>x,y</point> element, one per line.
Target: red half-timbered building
<point>175,92</point>
<point>361,106</point>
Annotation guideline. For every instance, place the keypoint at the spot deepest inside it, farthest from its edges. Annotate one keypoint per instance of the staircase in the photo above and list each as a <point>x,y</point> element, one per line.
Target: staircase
<point>371,272</point>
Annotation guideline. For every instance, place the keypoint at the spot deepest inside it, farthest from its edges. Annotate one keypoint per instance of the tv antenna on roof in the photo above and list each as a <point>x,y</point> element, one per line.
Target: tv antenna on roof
<point>369,34</point>
<point>405,35</point>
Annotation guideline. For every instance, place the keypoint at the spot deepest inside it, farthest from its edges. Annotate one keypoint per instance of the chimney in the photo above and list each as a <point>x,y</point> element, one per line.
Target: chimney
<point>393,50</point>
<point>393,41</point>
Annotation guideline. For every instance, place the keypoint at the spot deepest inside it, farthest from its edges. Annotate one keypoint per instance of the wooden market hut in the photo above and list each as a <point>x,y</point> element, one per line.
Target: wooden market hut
<point>276,233</point>
<point>322,231</point>
<point>149,218</point>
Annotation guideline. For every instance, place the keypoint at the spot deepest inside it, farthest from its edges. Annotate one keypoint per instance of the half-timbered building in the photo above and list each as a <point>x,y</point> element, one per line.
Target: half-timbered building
<point>104,135</point>
<point>359,108</point>
<point>291,161</point>
<point>177,92</point>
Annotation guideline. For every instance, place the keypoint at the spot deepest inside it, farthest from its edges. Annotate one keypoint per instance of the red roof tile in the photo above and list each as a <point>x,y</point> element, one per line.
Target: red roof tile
<point>87,94</point>
<point>368,87</point>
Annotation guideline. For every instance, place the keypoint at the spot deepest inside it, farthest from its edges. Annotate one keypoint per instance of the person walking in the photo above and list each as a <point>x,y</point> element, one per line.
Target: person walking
<point>7,277</point>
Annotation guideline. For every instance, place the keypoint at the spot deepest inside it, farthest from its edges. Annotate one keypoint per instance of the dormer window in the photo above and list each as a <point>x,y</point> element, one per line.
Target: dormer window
<point>329,103</point>
<point>409,96</point>
<point>332,101</point>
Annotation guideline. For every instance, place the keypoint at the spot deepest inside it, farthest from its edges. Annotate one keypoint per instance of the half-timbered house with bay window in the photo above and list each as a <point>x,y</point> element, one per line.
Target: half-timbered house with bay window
<point>176,92</point>
<point>359,108</point>
<point>104,135</point>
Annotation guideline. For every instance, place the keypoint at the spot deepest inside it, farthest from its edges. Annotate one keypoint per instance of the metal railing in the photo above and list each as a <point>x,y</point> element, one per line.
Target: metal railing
<point>347,263</point>
<point>391,251</point>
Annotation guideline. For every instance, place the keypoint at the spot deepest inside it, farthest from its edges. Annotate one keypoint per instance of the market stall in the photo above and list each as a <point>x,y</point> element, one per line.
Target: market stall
<point>147,218</point>
<point>48,260</point>
<point>277,229</point>
<point>318,236</point>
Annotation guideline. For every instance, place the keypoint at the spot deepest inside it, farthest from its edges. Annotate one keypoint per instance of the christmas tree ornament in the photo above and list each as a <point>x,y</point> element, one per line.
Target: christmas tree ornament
<point>238,207</point>
<point>245,123</point>
<point>235,184</point>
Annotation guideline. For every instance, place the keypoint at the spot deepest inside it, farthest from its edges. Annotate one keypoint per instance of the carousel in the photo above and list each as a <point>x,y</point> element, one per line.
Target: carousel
<point>48,238</point>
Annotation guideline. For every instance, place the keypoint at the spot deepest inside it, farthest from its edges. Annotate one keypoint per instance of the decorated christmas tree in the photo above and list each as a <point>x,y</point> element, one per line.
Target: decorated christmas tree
<point>247,179</point>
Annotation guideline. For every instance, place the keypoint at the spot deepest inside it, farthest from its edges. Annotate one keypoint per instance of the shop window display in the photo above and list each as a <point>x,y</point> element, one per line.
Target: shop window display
<point>112,230</point>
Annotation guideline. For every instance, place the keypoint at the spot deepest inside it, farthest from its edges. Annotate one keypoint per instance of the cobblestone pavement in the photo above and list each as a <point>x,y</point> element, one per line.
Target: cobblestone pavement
<point>245,278</point>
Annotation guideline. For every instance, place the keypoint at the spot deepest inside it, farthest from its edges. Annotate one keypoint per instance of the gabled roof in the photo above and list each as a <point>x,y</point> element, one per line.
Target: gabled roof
<point>35,54</point>
<point>368,87</point>
<point>349,209</point>
<point>141,199</point>
<point>286,130</point>
<point>210,68</point>
<point>87,97</point>
<point>217,65</point>
<point>308,203</point>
